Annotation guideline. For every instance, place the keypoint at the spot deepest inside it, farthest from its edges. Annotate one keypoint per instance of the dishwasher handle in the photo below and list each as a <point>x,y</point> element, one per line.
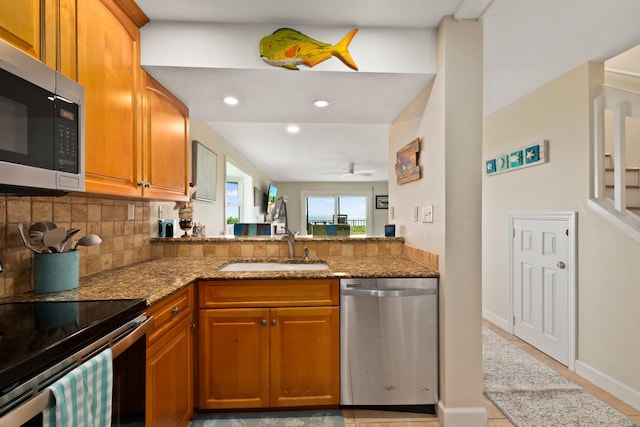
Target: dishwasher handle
<point>382,293</point>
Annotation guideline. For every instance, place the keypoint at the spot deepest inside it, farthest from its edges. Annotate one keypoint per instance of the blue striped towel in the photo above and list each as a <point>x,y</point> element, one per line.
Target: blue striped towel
<point>83,396</point>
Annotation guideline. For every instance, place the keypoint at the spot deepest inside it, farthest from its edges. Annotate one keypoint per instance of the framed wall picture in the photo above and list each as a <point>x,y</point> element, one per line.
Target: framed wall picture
<point>382,202</point>
<point>205,172</point>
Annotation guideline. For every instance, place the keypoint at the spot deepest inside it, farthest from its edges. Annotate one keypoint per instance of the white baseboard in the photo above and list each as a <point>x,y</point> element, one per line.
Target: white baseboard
<point>462,417</point>
<point>496,320</point>
<point>622,391</point>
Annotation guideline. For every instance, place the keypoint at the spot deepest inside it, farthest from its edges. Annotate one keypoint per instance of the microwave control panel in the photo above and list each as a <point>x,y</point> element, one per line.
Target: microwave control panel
<point>66,136</point>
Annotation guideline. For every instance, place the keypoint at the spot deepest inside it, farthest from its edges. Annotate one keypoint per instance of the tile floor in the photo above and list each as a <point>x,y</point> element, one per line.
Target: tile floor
<point>369,418</point>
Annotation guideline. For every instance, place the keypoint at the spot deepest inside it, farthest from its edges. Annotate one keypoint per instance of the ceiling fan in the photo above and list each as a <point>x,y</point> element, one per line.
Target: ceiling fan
<point>351,171</point>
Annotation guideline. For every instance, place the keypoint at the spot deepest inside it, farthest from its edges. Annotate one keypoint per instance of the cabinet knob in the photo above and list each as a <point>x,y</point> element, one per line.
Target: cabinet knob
<point>273,322</point>
<point>175,310</point>
<point>193,326</point>
<point>263,322</point>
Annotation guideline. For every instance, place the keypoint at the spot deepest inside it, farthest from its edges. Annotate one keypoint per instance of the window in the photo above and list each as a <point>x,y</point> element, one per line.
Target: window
<point>353,209</point>
<point>233,205</point>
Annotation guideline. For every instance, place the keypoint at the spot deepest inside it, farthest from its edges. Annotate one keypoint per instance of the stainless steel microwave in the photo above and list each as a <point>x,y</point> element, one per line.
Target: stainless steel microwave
<point>41,127</point>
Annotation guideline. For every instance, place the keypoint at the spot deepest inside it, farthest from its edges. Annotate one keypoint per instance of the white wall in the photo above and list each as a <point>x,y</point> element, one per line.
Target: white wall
<point>448,117</point>
<point>294,210</point>
<point>211,214</point>
<point>608,270</point>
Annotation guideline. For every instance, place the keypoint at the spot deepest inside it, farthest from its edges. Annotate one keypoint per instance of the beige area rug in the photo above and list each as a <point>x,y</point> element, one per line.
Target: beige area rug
<point>530,394</point>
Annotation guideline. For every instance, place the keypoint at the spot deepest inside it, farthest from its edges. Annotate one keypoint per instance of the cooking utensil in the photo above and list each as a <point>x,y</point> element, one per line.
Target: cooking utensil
<point>50,225</point>
<point>88,240</point>
<point>72,232</point>
<point>52,239</point>
<point>25,240</point>
<point>66,246</point>
<point>38,226</point>
<point>36,239</point>
<point>36,235</point>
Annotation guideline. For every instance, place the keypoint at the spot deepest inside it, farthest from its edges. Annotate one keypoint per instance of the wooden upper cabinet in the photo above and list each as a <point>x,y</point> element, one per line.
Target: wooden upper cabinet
<point>44,29</point>
<point>21,25</point>
<point>60,43</point>
<point>109,70</point>
<point>136,131</point>
<point>165,139</point>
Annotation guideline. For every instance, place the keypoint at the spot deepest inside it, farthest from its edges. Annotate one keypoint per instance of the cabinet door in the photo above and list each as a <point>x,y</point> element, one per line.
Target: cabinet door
<point>109,69</point>
<point>169,376</point>
<point>60,45</point>
<point>233,357</point>
<point>165,143</point>
<point>305,356</point>
<point>20,25</point>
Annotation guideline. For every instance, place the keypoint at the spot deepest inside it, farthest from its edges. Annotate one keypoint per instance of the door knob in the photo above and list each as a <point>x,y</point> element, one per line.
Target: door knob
<point>561,265</point>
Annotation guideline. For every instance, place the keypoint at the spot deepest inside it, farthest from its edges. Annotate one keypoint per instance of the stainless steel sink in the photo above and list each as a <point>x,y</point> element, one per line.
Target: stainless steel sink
<point>274,266</point>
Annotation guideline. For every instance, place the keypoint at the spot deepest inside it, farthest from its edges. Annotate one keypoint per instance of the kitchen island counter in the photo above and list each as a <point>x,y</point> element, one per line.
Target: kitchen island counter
<point>157,279</point>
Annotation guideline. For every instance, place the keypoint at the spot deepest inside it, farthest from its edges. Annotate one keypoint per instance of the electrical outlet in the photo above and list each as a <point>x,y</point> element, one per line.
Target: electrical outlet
<point>415,213</point>
<point>160,212</point>
<point>427,213</point>
<point>131,212</point>
<point>392,212</point>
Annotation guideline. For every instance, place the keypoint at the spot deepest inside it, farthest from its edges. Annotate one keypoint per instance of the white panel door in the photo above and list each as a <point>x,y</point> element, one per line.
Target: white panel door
<point>541,286</point>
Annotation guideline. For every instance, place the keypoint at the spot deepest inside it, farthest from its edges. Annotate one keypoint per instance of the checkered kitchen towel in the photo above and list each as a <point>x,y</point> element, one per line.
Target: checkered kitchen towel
<point>83,396</point>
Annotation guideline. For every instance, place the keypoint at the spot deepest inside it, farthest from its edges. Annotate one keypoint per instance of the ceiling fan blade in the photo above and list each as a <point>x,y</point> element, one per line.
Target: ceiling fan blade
<point>365,172</point>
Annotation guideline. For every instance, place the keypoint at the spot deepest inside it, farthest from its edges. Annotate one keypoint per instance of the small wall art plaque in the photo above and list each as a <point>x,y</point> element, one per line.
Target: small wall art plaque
<point>523,157</point>
<point>407,167</point>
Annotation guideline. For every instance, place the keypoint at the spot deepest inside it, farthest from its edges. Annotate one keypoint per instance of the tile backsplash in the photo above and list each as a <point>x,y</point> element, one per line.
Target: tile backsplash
<point>123,241</point>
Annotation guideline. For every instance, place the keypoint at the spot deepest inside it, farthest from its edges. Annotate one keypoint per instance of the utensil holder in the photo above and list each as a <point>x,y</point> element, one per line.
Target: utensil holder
<point>55,272</point>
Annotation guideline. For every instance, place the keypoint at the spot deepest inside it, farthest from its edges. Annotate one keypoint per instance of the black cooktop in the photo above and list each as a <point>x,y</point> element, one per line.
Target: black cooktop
<point>36,335</point>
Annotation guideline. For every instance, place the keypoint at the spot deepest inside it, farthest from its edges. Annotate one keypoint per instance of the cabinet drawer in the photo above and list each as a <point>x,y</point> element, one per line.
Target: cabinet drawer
<point>267,293</point>
<point>169,312</point>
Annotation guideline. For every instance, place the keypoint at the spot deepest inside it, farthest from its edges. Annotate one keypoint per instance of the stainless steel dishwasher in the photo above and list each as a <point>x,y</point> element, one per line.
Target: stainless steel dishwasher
<point>389,341</point>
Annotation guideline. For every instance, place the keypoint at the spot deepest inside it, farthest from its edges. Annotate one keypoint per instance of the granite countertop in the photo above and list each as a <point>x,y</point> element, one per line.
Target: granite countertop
<point>156,279</point>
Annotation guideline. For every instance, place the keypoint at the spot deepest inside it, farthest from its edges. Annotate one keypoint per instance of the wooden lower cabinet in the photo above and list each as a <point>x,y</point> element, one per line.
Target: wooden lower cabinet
<point>233,350</point>
<point>169,367</point>
<point>259,357</point>
<point>169,377</point>
<point>305,356</point>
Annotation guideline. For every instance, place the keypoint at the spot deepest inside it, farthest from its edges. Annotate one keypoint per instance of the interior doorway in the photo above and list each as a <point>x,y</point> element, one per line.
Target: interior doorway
<point>543,282</point>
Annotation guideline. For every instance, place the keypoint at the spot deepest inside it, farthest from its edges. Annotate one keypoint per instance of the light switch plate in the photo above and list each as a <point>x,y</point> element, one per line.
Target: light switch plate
<point>131,212</point>
<point>392,212</point>
<point>427,213</point>
<point>415,213</point>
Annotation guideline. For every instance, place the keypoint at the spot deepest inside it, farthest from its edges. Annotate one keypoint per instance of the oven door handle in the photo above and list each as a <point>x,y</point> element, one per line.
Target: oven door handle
<point>121,346</point>
<point>118,342</point>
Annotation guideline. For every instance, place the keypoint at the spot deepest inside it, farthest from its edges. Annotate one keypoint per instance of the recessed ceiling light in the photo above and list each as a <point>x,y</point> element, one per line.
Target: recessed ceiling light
<point>230,100</point>
<point>321,103</point>
<point>293,128</point>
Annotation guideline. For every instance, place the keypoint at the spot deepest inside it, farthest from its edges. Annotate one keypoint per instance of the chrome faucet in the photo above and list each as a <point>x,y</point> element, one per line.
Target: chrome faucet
<point>290,237</point>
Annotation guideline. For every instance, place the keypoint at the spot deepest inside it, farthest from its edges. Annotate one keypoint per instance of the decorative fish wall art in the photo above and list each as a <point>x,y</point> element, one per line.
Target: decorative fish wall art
<point>289,48</point>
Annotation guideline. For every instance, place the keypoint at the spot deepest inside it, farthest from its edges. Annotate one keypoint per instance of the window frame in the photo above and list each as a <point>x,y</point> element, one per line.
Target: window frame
<point>240,204</point>
<point>368,195</point>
